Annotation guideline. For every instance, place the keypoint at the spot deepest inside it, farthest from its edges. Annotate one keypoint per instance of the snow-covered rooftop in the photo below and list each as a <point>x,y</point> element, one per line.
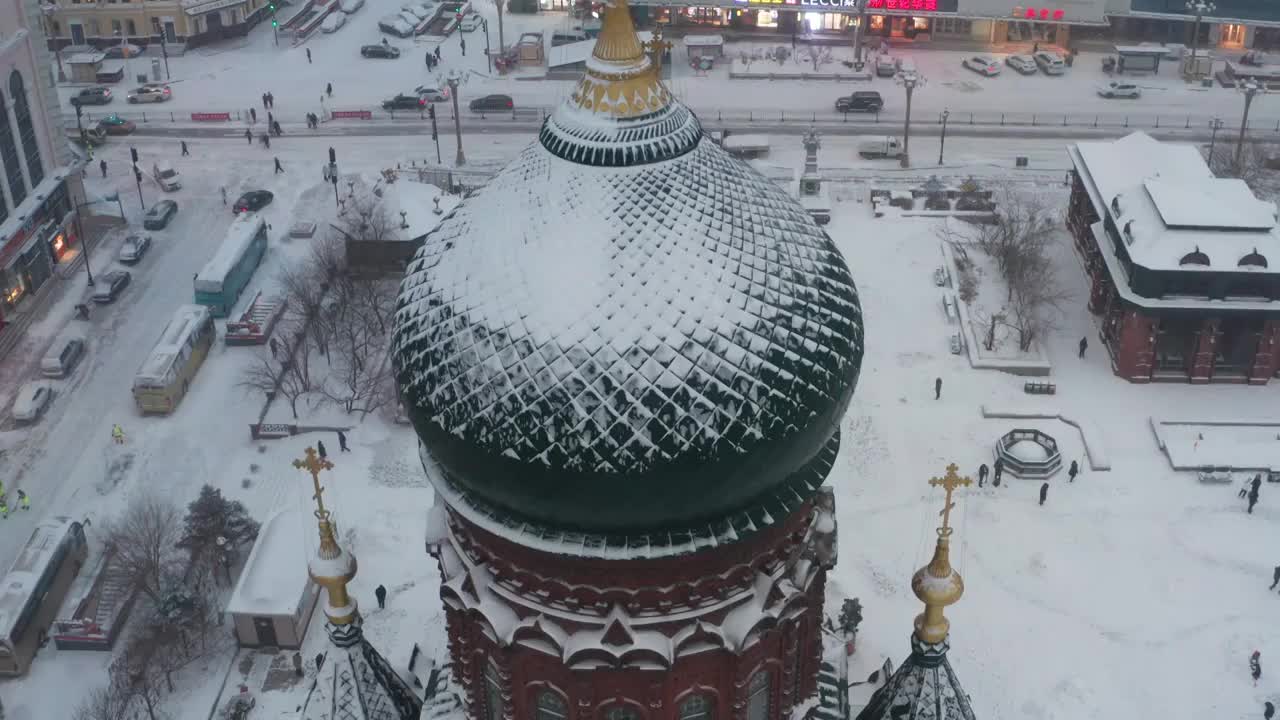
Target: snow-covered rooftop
<point>1167,205</point>
<point>275,575</point>
<point>417,201</point>
<point>239,236</point>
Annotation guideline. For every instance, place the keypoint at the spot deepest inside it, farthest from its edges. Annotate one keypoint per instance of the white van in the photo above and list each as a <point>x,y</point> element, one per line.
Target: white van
<point>166,177</point>
<point>1050,63</point>
<point>63,356</point>
<point>886,65</point>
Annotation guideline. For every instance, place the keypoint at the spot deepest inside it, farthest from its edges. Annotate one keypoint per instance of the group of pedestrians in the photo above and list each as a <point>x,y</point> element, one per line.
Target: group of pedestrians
<point>998,465</point>
<point>24,502</point>
<point>1250,491</point>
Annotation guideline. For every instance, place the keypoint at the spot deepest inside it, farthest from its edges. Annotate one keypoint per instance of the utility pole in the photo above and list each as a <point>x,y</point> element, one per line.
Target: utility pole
<point>502,44</point>
<point>275,24</point>
<point>164,50</point>
<point>1249,88</point>
<point>1215,125</point>
<point>454,79</point>
<point>943,144</point>
<point>909,80</point>
<point>333,177</point>
<point>435,133</point>
<point>858,33</point>
<point>1200,8</point>
<point>137,175</point>
<point>487,54</point>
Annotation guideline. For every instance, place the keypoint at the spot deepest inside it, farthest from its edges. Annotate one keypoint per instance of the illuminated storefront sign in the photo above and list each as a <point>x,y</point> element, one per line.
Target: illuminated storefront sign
<point>872,5</point>
<point>1039,13</point>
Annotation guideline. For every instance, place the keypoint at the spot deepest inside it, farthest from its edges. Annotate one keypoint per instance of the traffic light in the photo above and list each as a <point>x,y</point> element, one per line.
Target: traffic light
<point>431,111</point>
<point>134,152</point>
<point>138,175</point>
<point>275,23</point>
<point>333,156</point>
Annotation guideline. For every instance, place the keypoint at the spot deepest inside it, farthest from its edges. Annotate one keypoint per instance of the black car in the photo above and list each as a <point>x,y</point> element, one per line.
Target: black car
<point>380,51</point>
<point>110,285</point>
<point>404,102</point>
<point>158,217</point>
<point>252,201</point>
<point>92,96</point>
<point>491,103</point>
<point>861,101</point>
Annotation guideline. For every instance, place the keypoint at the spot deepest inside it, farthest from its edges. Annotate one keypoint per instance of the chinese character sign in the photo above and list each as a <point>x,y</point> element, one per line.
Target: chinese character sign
<point>925,5</point>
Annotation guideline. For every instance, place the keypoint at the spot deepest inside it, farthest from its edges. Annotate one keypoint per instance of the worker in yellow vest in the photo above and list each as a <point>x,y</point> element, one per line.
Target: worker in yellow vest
<point>24,500</point>
<point>117,434</point>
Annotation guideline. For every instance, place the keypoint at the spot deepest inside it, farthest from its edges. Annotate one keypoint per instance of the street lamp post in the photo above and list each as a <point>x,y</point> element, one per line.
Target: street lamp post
<point>502,45</point>
<point>943,144</point>
<point>224,558</point>
<point>1215,125</point>
<point>1200,8</point>
<point>333,176</point>
<point>909,80</point>
<point>454,79</point>
<point>487,55</point>
<point>859,32</point>
<point>47,12</point>
<point>1249,88</point>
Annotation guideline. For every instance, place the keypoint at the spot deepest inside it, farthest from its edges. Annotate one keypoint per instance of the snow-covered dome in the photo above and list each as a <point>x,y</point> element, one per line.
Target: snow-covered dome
<point>626,329</point>
<point>1029,451</point>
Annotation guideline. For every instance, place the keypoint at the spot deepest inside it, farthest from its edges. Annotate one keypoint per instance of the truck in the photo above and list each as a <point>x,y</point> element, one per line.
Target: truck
<point>884,146</point>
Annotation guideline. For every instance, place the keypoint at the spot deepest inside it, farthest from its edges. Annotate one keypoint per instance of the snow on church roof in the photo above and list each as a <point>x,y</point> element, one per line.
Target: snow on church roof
<point>275,575</point>
<point>1171,204</point>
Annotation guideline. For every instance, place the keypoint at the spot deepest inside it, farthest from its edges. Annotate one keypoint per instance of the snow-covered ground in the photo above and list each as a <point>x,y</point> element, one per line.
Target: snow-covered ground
<point>231,77</point>
<point>1138,592</point>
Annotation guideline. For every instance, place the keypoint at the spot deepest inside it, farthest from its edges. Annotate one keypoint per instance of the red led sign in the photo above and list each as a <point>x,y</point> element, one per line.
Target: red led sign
<point>926,5</point>
<point>1042,13</point>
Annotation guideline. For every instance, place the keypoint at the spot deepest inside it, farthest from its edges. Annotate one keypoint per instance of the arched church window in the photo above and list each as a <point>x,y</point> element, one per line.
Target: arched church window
<point>550,706</point>
<point>621,711</point>
<point>26,128</point>
<point>492,693</point>
<point>759,695</point>
<point>9,158</point>
<point>698,706</point>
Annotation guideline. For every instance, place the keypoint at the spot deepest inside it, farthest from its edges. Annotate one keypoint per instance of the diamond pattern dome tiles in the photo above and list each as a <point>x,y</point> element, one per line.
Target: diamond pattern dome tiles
<point>626,348</point>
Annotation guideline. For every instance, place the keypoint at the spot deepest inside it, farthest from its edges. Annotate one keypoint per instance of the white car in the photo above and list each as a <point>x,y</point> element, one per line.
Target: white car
<point>983,65</point>
<point>350,6</point>
<point>166,177</point>
<point>333,21</point>
<point>1024,64</point>
<point>469,22</point>
<point>1051,63</point>
<point>431,94</point>
<point>133,248</point>
<point>1120,90</point>
<point>416,11</point>
<point>150,93</point>
<point>32,400</point>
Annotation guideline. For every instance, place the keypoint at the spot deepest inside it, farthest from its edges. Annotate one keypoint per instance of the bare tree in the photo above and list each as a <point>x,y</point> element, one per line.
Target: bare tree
<point>987,323</point>
<point>108,702</point>
<point>135,673</point>
<point>1038,299</point>
<point>145,541</point>
<point>364,216</point>
<point>1253,166</point>
<point>361,380</point>
<point>819,55</point>
<point>288,376</point>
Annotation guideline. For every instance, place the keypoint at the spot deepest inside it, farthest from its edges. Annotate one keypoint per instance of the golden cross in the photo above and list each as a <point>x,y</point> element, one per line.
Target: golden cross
<point>949,482</point>
<point>657,46</point>
<point>313,464</point>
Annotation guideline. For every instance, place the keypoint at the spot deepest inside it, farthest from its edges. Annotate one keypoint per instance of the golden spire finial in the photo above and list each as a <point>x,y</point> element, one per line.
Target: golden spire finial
<point>621,80</point>
<point>656,47</point>
<point>937,584</point>
<point>332,568</point>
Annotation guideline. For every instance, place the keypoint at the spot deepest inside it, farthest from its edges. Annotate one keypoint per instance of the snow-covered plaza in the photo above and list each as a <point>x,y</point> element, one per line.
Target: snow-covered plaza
<point>1135,590</point>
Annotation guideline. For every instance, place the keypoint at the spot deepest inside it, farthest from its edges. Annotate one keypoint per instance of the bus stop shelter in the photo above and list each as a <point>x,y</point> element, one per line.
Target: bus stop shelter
<point>1139,58</point>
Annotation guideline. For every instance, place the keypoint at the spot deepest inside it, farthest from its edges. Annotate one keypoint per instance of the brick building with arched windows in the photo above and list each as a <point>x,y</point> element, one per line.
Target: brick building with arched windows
<point>626,358</point>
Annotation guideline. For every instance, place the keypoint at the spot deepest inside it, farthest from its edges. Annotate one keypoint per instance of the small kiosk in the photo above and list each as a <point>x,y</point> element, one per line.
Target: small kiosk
<point>275,596</point>
<point>85,66</point>
<point>1139,58</point>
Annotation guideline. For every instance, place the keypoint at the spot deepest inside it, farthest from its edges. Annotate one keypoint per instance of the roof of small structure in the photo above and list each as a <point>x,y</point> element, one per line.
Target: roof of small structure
<point>275,575</point>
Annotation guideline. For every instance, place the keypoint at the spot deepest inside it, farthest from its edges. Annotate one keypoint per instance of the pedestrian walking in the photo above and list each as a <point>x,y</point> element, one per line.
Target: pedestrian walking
<point>437,53</point>
<point>265,103</point>
<point>428,59</point>
<point>24,500</point>
<point>102,165</point>
<point>342,442</point>
<point>1256,483</point>
<point>1253,500</point>
<point>462,42</point>
<point>1268,710</point>
<point>1084,345</point>
<point>1044,493</point>
<point>276,127</point>
<point>4,511</point>
<point>982,474</point>
<point>308,56</point>
<point>1255,667</point>
<point>380,592</point>
<point>1275,578</point>
<point>1035,48</point>
<point>271,119</point>
<point>1073,471</point>
<point>275,348</point>
<point>297,664</point>
<point>224,202</point>
<point>271,100</point>
<point>999,470</point>
<point>117,434</point>
<point>937,388</point>
<point>248,135</point>
<point>253,116</point>
<point>319,661</point>
<point>266,141</point>
<point>320,449</point>
<point>328,89</point>
<point>279,169</point>
<point>185,152</point>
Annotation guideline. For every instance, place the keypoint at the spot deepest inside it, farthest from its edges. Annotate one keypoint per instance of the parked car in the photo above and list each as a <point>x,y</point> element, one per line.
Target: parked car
<point>410,19</point>
<point>860,101</point>
<point>133,248</point>
<point>158,217</point>
<point>390,52</point>
<point>120,51</point>
<point>492,103</point>
<point>568,37</point>
<point>395,25</point>
<point>416,10</point>
<point>432,94</point>
<point>110,285</point>
<point>470,22</point>
<point>1024,64</point>
<point>333,21</point>
<point>166,177</point>
<point>1120,90</point>
<point>252,201</point>
<point>150,94</point>
<point>31,402</point>
<point>1051,63</point>
<point>404,102</point>
<point>62,357</point>
<point>983,65</point>
<point>886,65</point>
<point>113,124</point>
<point>92,96</point>
<point>350,6</point>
